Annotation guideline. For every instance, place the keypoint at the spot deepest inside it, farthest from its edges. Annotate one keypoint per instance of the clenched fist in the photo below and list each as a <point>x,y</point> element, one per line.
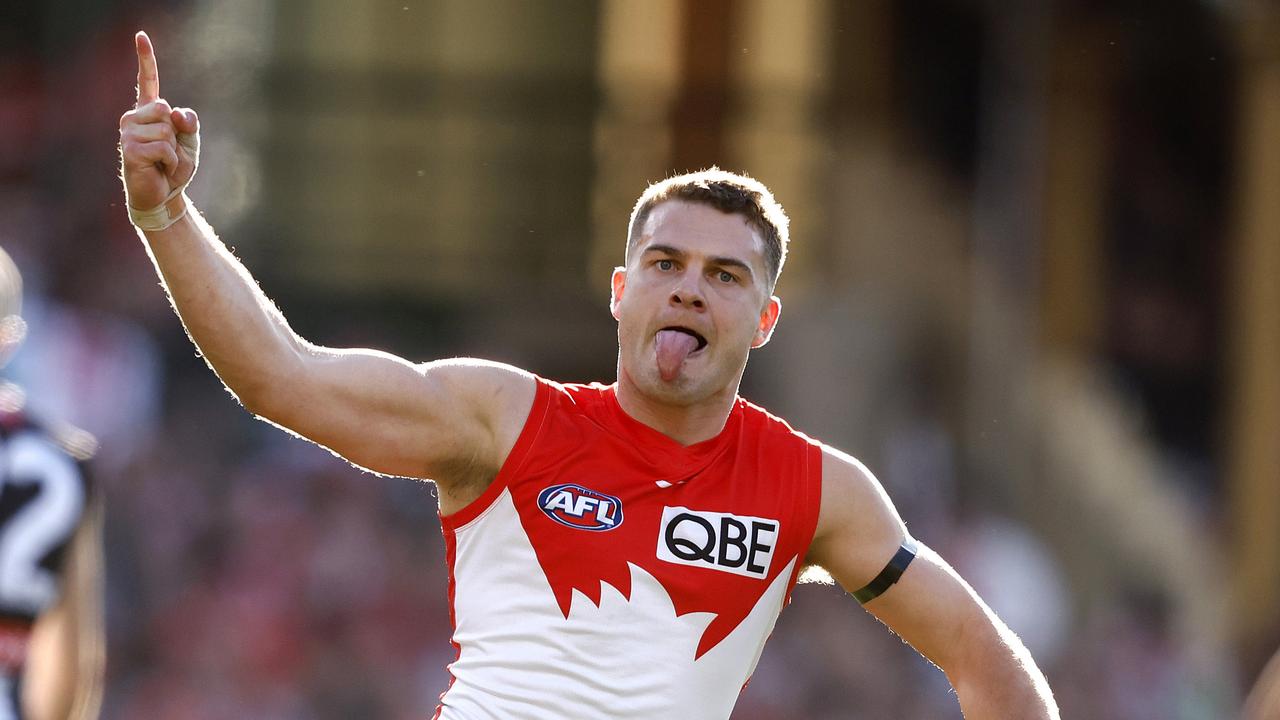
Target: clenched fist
<point>159,149</point>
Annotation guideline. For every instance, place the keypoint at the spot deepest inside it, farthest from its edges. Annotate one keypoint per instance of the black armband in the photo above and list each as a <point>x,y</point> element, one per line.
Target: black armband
<point>890,574</point>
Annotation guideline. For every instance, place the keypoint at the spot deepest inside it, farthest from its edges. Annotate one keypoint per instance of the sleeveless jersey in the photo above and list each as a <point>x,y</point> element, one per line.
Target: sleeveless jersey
<point>43,496</point>
<point>610,572</point>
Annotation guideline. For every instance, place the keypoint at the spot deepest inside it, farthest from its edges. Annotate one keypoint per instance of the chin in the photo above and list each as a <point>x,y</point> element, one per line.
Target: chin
<point>687,389</point>
<point>679,392</point>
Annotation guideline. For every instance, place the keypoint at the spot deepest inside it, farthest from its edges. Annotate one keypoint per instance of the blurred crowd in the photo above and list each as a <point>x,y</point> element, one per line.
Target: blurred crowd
<point>252,575</point>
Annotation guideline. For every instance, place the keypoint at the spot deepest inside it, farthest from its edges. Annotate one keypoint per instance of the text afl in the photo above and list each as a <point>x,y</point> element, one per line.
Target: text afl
<point>581,508</point>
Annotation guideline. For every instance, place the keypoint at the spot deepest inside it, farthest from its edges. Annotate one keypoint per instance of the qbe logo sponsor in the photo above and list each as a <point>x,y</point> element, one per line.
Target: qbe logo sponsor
<point>581,508</point>
<point>738,544</point>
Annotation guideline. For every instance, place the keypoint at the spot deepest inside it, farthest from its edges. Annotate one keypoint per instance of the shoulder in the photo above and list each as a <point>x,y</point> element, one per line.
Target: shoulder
<point>858,527</point>
<point>765,423</point>
<point>466,372</point>
<point>496,390</point>
<point>483,407</point>
<point>585,397</point>
<point>497,384</point>
<point>492,396</point>
<point>848,485</point>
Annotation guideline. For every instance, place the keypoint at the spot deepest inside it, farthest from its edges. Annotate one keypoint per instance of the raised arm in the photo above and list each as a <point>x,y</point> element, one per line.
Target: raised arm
<point>453,422</point>
<point>929,606</point>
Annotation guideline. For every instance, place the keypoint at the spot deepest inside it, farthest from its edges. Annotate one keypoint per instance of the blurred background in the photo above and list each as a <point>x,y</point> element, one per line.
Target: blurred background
<point>1034,283</point>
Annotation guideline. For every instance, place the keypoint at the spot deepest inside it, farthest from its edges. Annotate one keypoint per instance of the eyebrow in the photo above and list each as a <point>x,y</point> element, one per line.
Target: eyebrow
<point>718,261</point>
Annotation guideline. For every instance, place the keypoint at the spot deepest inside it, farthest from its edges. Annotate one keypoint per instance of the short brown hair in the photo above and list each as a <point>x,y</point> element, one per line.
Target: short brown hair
<point>729,193</point>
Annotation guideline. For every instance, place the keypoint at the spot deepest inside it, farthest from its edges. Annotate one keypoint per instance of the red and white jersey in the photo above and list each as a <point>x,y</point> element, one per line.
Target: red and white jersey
<point>610,572</point>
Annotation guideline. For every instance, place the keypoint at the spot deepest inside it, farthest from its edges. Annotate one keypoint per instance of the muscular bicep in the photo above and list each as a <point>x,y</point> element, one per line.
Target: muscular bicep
<point>859,530</point>
<point>436,420</point>
<point>859,536</point>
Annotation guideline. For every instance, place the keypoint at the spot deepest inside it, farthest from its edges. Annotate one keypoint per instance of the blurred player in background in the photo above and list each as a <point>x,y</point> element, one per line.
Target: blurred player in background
<point>51,634</point>
<point>615,551</point>
<point>1263,702</point>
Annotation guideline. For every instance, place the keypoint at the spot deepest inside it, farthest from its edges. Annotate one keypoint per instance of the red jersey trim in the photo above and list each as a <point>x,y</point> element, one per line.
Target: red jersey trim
<point>511,466</point>
<point>813,506</point>
<point>474,509</point>
<point>450,557</point>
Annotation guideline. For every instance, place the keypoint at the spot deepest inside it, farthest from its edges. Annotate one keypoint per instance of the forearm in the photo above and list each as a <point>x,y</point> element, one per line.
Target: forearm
<point>998,679</point>
<point>936,611</point>
<point>240,333</point>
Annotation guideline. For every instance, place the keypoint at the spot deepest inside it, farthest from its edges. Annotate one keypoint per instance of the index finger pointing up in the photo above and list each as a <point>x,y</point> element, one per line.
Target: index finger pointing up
<point>148,75</point>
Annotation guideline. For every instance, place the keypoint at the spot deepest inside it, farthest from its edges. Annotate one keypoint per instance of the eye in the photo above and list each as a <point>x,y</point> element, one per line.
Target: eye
<point>726,276</point>
<point>665,265</point>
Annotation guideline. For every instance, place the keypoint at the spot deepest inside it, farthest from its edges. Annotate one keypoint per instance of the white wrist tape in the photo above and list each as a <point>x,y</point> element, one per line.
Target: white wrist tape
<point>167,213</point>
<point>175,205</point>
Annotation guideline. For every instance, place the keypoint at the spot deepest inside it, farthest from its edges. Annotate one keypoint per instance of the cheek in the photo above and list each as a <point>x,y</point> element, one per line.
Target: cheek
<point>634,307</point>
<point>732,338</point>
<point>628,329</point>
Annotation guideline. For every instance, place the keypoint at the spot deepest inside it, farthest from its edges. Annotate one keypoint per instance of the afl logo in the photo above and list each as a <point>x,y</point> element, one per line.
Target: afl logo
<point>580,508</point>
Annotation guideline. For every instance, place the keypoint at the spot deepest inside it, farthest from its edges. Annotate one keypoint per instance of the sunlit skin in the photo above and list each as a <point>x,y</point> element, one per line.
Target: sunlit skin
<point>694,267</point>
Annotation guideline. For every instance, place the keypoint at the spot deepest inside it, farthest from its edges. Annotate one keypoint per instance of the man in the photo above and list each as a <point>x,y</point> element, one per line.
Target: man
<point>51,637</point>
<point>614,551</point>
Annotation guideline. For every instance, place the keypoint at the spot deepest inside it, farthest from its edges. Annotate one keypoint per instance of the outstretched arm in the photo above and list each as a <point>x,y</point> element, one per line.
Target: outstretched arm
<point>453,422</point>
<point>929,606</point>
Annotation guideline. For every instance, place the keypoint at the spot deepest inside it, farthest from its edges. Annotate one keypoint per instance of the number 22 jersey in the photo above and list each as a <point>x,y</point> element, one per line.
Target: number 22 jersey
<point>610,572</point>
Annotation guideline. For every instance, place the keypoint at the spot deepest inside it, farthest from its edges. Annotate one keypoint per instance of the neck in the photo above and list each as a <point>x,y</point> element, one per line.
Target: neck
<point>686,424</point>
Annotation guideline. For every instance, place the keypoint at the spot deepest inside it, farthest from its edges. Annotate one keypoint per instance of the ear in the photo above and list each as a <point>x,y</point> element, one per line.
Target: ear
<point>617,283</point>
<point>768,321</point>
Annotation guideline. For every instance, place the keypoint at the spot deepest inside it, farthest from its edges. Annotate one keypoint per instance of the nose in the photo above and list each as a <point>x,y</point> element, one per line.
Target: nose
<point>687,294</point>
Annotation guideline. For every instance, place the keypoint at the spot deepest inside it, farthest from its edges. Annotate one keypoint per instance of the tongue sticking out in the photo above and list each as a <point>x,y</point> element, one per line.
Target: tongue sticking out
<point>673,347</point>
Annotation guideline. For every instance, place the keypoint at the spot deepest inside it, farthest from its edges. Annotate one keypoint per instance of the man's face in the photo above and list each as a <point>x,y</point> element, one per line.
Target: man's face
<point>691,303</point>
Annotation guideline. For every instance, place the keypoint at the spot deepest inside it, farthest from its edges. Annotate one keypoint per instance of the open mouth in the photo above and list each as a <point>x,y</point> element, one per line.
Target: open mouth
<point>702,342</point>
